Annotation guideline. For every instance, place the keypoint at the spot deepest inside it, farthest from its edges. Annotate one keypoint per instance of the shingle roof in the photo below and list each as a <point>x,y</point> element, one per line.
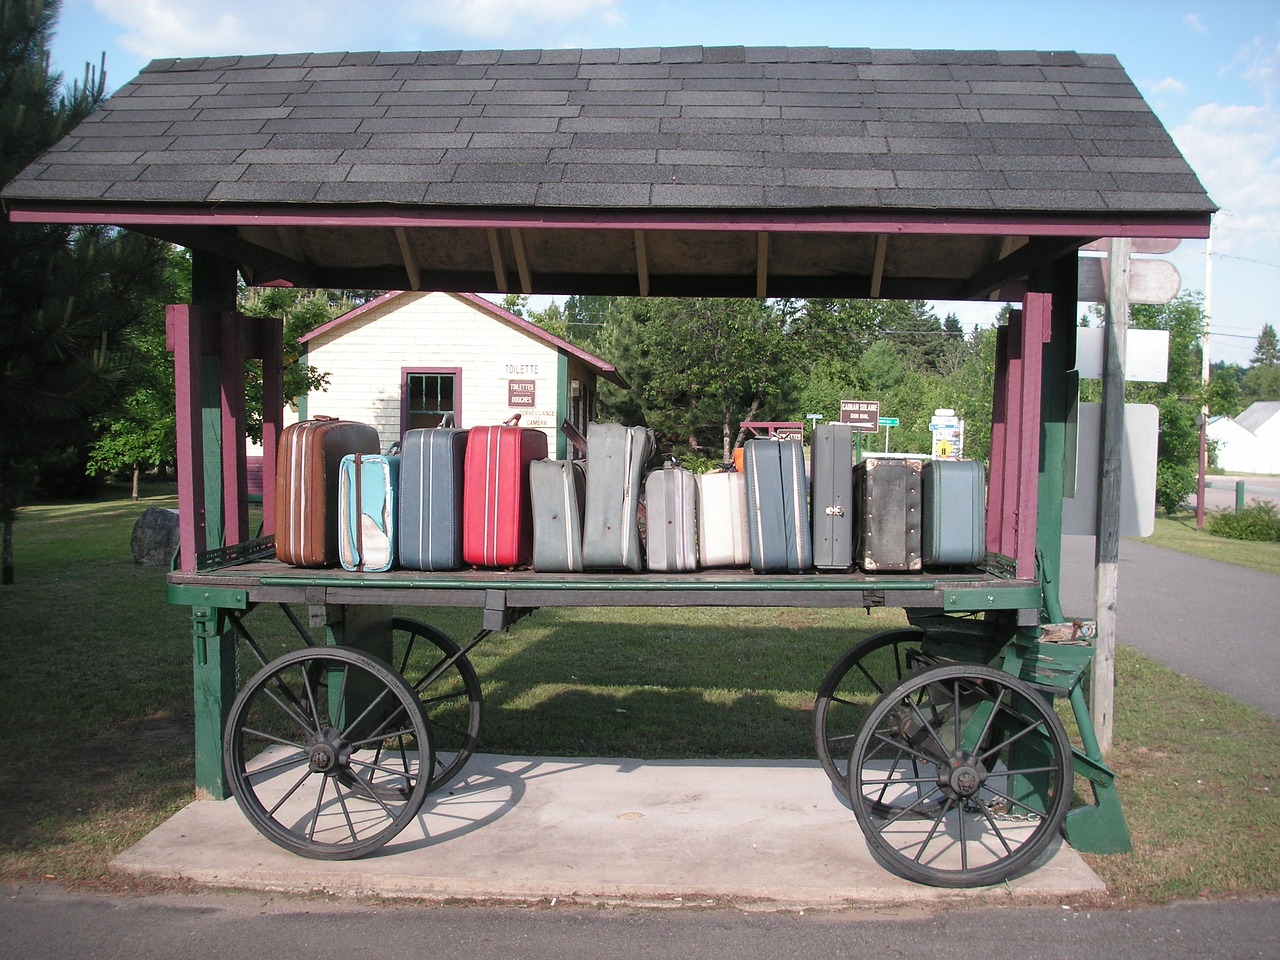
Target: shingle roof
<point>722,157</point>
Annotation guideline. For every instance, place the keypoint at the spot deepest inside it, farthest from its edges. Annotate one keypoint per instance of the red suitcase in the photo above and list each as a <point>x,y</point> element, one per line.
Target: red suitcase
<point>497,508</point>
<point>310,455</point>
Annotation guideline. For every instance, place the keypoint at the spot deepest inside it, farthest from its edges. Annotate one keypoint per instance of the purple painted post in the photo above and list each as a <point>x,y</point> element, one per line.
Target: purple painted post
<point>183,330</point>
<point>999,428</point>
<point>1014,414</point>
<point>272,415</point>
<point>1037,309</point>
<point>235,483</point>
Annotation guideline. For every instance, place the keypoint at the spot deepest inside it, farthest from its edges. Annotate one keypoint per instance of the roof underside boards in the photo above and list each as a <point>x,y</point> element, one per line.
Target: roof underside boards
<point>730,171</point>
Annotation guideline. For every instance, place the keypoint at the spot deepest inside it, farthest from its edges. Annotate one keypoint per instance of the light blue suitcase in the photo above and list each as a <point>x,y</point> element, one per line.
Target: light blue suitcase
<point>777,506</point>
<point>431,480</point>
<point>368,485</point>
<point>953,513</point>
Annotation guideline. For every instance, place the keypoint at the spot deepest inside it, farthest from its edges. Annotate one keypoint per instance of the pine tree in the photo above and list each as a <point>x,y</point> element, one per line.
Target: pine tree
<point>1266,353</point>
<point>66,294</point>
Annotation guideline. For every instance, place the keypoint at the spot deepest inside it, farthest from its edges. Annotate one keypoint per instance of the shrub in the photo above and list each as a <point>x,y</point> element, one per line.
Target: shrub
<point>1258,521</point>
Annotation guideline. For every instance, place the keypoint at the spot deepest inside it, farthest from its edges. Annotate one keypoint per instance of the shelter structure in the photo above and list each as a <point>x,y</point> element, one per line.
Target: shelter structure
<point>715,171</point>
<point>1250,442</point>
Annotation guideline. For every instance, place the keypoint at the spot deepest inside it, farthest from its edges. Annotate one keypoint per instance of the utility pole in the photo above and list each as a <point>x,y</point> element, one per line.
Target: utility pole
<point>1204,378</point>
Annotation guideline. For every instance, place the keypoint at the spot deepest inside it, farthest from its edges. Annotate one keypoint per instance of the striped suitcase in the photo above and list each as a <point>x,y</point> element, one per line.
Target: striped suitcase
<point>831,486</point>
<point>671,526</point>
<point>558,488</point>
<point>497,509</point>
<point>616,456</point>
<point>953,513</point>
<point>368,507</point>
<point>777,506</point>
<point>887,490</point>
<point>431,484</point>
<point>722,519</point>
<point>310,456</point>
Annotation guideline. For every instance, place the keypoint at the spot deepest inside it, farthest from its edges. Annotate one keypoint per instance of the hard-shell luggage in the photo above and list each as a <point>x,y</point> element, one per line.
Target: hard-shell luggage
<point>559,495</point>
<point>831,490</point>
<point>889,514</point>
<point>777,506</point>
<point>953,511</point>
<point>616,456</point>
<point>497,510</point>
<point>671,525</point>
<point>310,456</point>
<point>431,483</point>
<point>368,507</point>
<point>722,520</point>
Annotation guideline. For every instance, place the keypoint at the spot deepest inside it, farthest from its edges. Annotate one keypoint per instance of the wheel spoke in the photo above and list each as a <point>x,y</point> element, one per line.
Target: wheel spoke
<point>283,763</point>
<point>315,814</point>
<point>937,822</point>
<point>289,793</point>
<point>1032,726</point>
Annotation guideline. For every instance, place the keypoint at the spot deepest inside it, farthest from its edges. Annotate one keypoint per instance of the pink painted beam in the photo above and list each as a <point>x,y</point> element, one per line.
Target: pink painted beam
<point>1037,309</point>
<point>1010,452</point>
<point>183,331</point>
<point>235,483</point>
<point>999,429</point>
<point>272,415</point>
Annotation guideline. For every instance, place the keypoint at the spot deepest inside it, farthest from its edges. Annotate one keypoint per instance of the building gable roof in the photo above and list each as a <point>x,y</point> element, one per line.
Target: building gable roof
<point>1258,413</point>
<point>743,171</point>
<point>602,367</point>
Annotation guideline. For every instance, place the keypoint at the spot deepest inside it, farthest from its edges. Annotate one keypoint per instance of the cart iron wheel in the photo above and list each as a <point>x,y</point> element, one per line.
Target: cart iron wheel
<point>449,689</point>
<point>328,753</point>
<point>849,689</point>
<point>960,776</point>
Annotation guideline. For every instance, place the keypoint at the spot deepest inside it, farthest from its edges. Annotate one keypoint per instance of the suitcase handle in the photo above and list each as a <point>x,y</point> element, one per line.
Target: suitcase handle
<point>512,420</point>
<point>574,436</point>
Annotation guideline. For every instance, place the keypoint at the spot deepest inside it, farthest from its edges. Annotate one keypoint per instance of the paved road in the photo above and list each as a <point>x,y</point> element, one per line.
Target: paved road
<point>1213,621</point>
<point>42,922</point>
<point>1220,492</point>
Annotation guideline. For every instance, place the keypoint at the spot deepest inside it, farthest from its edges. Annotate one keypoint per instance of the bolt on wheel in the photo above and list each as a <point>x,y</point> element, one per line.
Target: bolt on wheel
<point>327,751</point>
<point>960,776</point>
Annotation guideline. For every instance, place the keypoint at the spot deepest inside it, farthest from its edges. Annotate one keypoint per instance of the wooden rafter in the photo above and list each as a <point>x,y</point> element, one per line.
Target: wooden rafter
<point>495,255</point>
<point>410,261</point>
<point>877,268</point>
<point>522,261</point>
<point>762,264</point>
<point>642,264</point>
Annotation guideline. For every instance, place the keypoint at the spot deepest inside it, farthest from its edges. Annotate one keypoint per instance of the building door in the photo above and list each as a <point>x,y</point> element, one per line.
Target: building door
<point>427,397</point>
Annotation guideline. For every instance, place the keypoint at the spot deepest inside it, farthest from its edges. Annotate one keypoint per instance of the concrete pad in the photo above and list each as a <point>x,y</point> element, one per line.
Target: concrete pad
<point>535,827</point>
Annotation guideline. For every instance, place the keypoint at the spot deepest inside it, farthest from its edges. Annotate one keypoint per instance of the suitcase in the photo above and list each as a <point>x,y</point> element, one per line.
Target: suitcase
<point>309,458</point>
<point>497,511</point>
<point>671,519</point>
<point>616,456</point>
<point>368,508</point>
<point>431,482</point>
<point>831,489</point>
<point>888,492</point>
<point>953,513</point>
<point>558,488</point>
<point>722,519</point>
<point>778,536</point>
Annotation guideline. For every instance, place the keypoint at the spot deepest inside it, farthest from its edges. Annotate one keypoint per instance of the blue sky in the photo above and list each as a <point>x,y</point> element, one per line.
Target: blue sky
<point>1209,68</point>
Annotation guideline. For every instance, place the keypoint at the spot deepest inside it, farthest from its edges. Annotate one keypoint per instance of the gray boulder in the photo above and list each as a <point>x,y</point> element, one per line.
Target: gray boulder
<point>155,537</point>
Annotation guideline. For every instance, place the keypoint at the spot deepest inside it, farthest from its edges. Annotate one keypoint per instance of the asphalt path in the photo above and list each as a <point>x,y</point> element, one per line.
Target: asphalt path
<point>1216,622</point>
<point>42,923</point>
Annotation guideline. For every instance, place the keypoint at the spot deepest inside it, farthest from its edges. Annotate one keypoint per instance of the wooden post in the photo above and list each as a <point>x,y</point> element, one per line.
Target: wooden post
<point>1107,550</point>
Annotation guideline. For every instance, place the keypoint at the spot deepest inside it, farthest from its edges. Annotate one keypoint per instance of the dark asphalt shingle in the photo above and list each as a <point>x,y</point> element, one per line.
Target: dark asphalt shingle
<point>690,127</point>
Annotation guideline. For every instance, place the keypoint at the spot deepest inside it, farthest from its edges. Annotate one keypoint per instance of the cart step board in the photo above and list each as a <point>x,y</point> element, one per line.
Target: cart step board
<point>431,486</point>
<point>559,497</point>
<point>306,492</point>
<point>368,508</point>
<point>777,506</point>
<point>888,493</point>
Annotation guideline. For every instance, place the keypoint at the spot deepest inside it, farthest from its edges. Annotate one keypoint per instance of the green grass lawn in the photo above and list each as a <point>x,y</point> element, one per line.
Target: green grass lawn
<point>95,685</point>
<point>1179,533</point>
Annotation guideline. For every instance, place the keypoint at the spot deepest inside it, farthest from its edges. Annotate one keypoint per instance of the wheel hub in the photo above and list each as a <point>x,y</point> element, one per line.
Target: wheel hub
<point>962,777</point>
<point>326,753</point>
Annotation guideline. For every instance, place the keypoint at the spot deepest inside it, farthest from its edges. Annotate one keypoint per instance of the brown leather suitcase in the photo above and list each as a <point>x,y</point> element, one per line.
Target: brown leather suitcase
<point>310,456</point>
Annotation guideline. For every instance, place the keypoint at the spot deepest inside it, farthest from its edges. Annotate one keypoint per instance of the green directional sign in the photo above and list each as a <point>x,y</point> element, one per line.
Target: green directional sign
<point>888,421</point>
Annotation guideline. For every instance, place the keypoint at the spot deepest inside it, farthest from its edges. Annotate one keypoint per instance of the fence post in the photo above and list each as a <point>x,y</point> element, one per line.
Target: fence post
<point>1239,495</point>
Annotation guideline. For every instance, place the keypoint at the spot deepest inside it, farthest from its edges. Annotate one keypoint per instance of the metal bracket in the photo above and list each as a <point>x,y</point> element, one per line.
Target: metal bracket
<point>499,616</point>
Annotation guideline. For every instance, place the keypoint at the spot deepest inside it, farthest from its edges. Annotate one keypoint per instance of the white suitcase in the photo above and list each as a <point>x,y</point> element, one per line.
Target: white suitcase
<point>722,520</point>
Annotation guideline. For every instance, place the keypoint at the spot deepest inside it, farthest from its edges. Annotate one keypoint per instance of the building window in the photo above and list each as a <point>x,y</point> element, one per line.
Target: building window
<point>428,395</point>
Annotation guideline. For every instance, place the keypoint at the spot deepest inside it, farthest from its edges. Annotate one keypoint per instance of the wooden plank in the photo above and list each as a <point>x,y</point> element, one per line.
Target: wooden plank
<point>1036,315</point>
<point>522,262</point>
<point>495,257</point>
<point>762,265</point>
<point>877,268</point>
<point>1140,245</point>
<point>999,427</point>
<point>1107,548</point>
<point>182,329</point>
<point>642,263</point>
<point>235,504</point>
<point>272,415</point>
<point>410,261</point>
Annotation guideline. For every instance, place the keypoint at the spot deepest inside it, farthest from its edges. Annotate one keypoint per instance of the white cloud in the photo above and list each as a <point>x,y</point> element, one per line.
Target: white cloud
<point>1236,152</point>
<point>175,28</point>
<point>1169,85</point>
<point>1193,21</point>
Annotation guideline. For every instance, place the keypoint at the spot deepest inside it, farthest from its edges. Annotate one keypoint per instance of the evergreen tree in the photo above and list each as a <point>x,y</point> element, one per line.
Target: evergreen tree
<point>66,295</point>
<point>1266,353</point>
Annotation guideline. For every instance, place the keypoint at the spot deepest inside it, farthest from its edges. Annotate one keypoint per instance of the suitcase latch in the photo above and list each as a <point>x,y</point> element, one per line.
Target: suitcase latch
<point>836,511</point>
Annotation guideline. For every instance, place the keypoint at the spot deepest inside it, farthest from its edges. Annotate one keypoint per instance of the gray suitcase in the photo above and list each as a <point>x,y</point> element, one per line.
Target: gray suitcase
<point>616,456</point>
<point>671,507</point>
<point>722,520</point>
<point>431,481</point>
<point>559,492</point>
<point>888,493</point>
<point>953,510</point>
<point>777,506</point>
<point>831,488</point>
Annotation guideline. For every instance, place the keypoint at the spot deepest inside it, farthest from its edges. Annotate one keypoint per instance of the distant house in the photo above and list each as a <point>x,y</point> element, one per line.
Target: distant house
<point>1249,443</point>
<point>406,359</point>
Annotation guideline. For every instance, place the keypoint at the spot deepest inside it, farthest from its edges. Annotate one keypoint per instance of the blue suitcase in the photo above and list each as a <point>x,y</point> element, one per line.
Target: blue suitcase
<point>431,480</point>
<point>777,506</point>
<point>368,485</point>
<point>953,513</point>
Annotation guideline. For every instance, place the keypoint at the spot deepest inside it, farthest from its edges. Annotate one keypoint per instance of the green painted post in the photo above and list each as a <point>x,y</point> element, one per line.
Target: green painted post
<point>563,401</point>
<point>214,675</point>
<point>1239,495</point>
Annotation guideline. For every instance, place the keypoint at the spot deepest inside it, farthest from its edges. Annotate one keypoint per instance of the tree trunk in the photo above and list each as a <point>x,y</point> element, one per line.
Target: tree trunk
<point>135,483</point>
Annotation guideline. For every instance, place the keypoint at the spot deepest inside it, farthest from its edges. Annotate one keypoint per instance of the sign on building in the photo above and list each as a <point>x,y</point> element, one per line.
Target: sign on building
<point>522,393</point>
